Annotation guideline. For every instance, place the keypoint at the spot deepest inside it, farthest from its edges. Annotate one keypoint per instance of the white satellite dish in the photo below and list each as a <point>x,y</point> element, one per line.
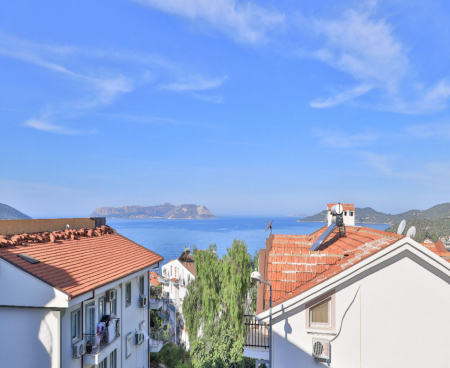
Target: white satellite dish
<point>411,233</point>
<point>401,227</point>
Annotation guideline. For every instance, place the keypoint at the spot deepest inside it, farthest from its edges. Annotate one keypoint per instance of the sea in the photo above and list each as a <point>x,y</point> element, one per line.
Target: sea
<point>169,237</point>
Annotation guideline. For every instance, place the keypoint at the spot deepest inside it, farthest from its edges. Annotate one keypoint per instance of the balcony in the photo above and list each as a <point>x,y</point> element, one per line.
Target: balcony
<point>257,341</point>
<point>100,345</point>
<point>155,303</point>
<point>164,314</point>
<point>158,338</point>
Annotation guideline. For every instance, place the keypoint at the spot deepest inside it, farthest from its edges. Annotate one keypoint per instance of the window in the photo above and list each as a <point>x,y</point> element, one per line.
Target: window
<point>319,315</point>
<point>128,294</point>
<point>171,271</point>
<point>345,213</point>
<point>76,325</point>
<point>175,272</point>
<point>103,364</point>
<point>101,307</point>
<point>351,213</point>
<point>128,347</point>
<point>141,285</point>
<point>114,307</point>
<point>113,359</point>
<point>320,312</point>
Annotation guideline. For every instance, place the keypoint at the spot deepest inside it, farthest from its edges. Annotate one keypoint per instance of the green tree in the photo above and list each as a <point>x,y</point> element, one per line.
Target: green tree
<point>214,307</point>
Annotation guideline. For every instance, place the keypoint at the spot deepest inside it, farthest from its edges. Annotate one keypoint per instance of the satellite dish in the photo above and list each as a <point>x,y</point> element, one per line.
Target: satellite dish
<point>401,227</point>
<point>411,232</point>
<point>269,227</point>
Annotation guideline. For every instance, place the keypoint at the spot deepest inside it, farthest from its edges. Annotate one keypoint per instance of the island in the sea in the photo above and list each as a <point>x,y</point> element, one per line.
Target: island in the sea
<point>165,211</point>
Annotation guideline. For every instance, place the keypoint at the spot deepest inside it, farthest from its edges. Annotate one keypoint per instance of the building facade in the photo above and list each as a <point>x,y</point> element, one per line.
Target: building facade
<point>366,299</point>
<point>74,297</point>
<point>174,278</point>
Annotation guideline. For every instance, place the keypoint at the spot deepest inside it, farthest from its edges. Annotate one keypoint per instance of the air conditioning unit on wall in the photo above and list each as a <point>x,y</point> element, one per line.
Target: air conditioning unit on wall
<point>79,349</point>
<point>139,338</point>
<point>143,301</point>
<point>111,295</point>
<point>321,349</point>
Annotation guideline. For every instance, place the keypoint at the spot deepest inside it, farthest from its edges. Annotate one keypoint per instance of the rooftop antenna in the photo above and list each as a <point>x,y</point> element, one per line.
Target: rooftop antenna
<point>269,227</point>
<point>401,227</point>
<point>411,233</point>
<point>338,220</point>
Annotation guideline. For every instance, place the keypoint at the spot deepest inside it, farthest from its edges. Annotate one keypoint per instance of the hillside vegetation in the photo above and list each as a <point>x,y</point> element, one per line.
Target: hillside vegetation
<point>9,213</point>
<point>431,229</point>
<point>369,215</point>
<point>167,210</point>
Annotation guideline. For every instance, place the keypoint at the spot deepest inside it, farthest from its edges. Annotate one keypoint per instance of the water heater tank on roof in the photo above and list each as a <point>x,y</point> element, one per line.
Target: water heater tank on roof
<point>337,209</point>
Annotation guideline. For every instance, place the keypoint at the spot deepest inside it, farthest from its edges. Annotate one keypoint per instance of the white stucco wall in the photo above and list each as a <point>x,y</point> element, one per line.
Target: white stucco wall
<point>29,338</point>
<point>398,319</point>
<point>19,288</point>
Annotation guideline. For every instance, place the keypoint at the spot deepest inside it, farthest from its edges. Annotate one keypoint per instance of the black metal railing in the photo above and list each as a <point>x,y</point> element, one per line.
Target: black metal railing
<point>96,342</point>
<point>257,333</point>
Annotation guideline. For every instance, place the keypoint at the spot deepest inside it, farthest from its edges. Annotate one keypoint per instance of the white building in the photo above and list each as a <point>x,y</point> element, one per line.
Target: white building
<point>367,299</point>
<point>56,286</point>
<point>175,277</point>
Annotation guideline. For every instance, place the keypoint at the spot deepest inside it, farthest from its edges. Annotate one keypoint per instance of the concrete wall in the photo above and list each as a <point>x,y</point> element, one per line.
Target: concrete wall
<point>397,319</point>
<point>29,338</point>
<point>12,227</point>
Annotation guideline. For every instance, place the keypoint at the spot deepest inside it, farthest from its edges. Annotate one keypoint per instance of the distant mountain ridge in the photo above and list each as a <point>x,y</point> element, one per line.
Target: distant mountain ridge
<point>166,210</point>
<point>9,213</point>
<point>369,215</point>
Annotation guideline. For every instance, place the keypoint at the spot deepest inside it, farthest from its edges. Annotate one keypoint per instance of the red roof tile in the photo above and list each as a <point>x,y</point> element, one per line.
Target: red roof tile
<point>345,206</point>
<point>77,261</point>
<point>292,268</point>
<point>154,278</point>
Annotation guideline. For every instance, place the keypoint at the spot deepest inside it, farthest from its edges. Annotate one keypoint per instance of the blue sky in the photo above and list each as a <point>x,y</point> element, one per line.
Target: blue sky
<point>249,108</point>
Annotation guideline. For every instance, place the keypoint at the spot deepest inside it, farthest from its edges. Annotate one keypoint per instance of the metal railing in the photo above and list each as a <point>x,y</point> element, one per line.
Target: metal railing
<point>257,333</point>
<point>95,343</point>
<point>163,314</point>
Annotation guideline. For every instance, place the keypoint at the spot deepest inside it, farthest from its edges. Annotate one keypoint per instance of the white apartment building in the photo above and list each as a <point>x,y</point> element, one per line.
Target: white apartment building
<point>73,295</point>
<point>175,277</point>
<point>367,298</point>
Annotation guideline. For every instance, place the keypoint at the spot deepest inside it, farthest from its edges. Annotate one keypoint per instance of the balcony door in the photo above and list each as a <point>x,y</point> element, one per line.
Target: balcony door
<point>101,308</point>
<point>90,323</point>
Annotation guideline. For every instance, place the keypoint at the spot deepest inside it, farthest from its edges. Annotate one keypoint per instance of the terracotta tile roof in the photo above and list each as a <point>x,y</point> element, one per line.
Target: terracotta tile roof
<point>190,267</point>
<point>174,279</point>
<point>77,261</point>
<point>292,268</point>
<point>345,206</point>
<point>154,278</point>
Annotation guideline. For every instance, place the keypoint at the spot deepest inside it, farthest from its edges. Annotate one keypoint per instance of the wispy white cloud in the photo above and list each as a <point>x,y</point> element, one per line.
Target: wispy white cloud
<point>195,83</point>
<point>433,130</point>
<point>244,21</point>
<point>341,97</point>
<point>366,47</point>
<point>45,126</point>
<point>335,139</point>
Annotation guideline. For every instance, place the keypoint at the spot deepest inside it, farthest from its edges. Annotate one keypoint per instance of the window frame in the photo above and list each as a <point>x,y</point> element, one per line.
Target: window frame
<point>113,359</point>
<point>113,306</point>
<point>330,326</point>
<point>77,314</point>
<point>142,285</point>
<point>101,301</point>
<point>103,363</point>
<point>128,340</point>
<point>127,297</point>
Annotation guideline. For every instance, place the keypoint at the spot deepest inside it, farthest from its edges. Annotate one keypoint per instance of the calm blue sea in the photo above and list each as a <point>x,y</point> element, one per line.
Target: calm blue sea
<point>168,237</point>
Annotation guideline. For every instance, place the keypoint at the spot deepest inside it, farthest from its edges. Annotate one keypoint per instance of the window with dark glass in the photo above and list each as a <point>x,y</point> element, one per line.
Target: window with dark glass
<point>128,294</point>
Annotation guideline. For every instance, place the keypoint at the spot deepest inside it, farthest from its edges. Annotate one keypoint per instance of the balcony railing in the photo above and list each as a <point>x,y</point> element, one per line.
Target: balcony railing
<point>257,333</point>
<point>164,314</point>
<point>95,343</point>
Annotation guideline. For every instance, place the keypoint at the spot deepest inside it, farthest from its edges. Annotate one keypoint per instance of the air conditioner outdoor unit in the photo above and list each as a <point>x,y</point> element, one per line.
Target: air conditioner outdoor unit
<point>143,301</point>
<point>321,349</point>
<point>139,338</point>
<point>79,349</point>
<point>111,295</point>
